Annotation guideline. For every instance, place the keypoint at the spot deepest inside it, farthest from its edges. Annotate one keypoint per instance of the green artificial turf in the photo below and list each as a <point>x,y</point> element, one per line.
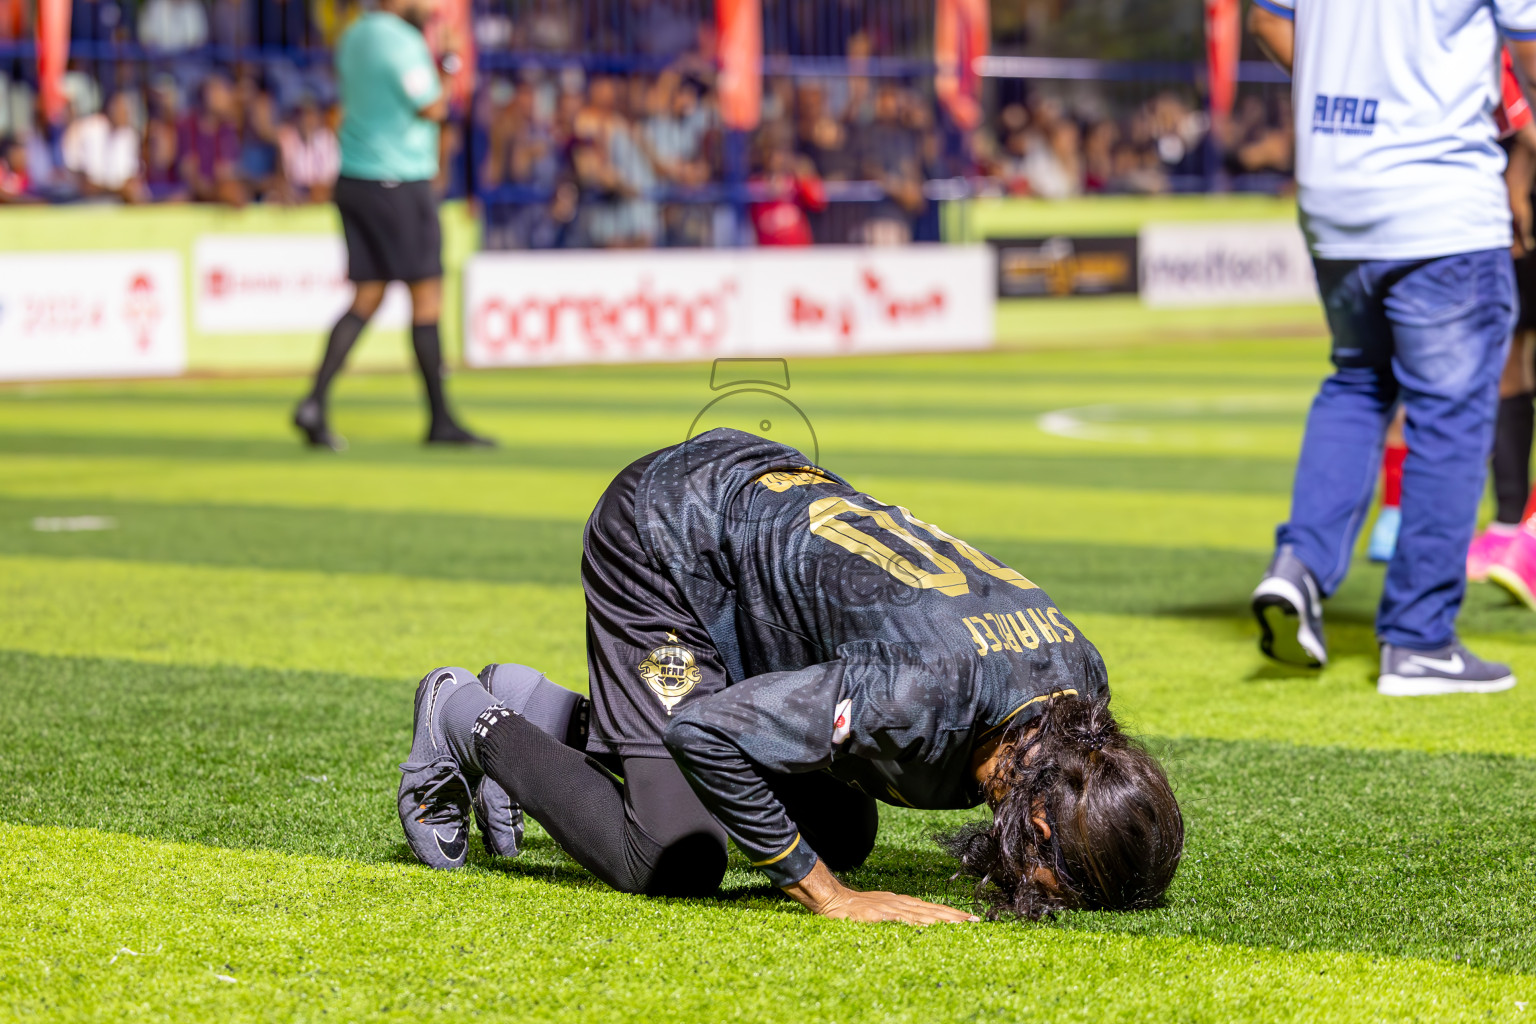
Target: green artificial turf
<point>207,700</point>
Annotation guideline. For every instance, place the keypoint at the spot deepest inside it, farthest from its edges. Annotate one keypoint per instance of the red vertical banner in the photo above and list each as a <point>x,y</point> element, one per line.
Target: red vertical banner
<point>961,32</point>
<point>52,54</point>
<point>451,32</point>
<point>1223,37</point>
<point>740,27</point>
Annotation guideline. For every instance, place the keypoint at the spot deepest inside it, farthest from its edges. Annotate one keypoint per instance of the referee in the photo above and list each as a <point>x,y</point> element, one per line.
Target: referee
<point>392,103</point>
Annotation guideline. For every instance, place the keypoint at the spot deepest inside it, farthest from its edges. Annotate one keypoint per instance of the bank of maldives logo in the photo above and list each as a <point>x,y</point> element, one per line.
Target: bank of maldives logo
<point>671,672</point>
<point>1344,115</point>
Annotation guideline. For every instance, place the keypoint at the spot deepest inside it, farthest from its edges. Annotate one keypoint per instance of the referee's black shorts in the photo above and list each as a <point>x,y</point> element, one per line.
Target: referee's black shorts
<point>392,229</point>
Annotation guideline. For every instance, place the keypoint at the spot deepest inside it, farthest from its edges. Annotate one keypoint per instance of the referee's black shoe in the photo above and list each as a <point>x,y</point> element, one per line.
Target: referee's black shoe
<point>309,417</point>
<point>449,432</point>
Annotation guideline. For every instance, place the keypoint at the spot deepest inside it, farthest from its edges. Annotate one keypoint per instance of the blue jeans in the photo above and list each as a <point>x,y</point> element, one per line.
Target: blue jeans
<point>1432,333</point>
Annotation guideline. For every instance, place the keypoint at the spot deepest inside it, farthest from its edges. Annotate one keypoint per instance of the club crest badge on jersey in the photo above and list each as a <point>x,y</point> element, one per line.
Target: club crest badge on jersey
<point>671,672</point>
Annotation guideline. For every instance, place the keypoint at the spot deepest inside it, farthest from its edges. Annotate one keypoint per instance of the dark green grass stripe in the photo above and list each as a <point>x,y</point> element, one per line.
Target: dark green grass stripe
<point>1207,474</point>
<point>1184,582</point>
<point>321,540</point>
<point>1398,854</point>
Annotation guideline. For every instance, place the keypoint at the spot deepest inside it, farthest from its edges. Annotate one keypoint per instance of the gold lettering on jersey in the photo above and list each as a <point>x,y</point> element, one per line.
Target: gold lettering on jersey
<point>1046,629</point>
<point>825,524</point>
<point>1066,631</point>
<point>671,671</point>
<point>780,480</point>
<point>997,644</point>
<point>1017,631</point>
<point>981,645</point>
<point>1026,632</point>
<point>1005,631</point>
<point>973,555</point>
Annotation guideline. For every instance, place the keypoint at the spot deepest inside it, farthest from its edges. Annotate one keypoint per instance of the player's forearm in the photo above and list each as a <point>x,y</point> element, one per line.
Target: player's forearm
<point>1275,35</point>
<point>730,787</point>
<point>774,724</point>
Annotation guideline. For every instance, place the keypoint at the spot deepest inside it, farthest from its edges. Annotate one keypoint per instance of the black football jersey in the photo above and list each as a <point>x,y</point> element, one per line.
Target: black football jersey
<point>858,639</point>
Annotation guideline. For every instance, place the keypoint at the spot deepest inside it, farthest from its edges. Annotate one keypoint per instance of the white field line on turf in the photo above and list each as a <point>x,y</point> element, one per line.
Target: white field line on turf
<point>73,524</point>
<point>1125,422</point>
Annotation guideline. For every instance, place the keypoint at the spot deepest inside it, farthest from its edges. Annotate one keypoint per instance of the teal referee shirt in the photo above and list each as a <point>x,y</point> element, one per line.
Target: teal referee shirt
<point>386,76</point>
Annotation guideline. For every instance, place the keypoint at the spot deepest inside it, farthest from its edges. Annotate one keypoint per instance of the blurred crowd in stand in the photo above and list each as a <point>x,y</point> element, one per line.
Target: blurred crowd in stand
<point>563,157</point>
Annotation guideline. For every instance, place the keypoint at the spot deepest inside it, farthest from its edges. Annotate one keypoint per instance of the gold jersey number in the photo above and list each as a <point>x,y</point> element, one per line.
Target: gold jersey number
<point>933,570</point>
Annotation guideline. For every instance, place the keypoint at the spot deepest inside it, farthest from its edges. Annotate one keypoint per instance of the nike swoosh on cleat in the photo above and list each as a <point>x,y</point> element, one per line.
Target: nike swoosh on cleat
<point>1453,665</point>
<point>452,848</point>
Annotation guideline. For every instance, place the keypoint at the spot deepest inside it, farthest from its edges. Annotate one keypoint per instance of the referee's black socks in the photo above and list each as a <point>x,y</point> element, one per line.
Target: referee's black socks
<point>429,356</point>
<point>343,336</point>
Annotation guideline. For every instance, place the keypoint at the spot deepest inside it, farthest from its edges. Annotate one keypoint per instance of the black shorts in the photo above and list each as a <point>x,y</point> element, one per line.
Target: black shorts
<point>393,232</point>
<point>647,653</point>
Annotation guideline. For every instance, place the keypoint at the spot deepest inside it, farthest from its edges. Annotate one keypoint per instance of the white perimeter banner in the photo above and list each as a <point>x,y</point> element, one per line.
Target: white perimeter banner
<point>89,314</point>
<point>1227,263</point>
<point>277,284</point>
<point>541,308</point>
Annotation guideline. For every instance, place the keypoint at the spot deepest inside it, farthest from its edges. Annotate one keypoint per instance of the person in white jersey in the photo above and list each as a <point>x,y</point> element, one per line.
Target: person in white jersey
<point>1402,196</point>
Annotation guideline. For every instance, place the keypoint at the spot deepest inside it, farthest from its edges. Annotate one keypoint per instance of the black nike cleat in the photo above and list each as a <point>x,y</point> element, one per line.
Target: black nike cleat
<point>449,432</point>
<point>309,417</point>
<point>1451,669</point>
<point>434,799</point>
<point>1289,606</point>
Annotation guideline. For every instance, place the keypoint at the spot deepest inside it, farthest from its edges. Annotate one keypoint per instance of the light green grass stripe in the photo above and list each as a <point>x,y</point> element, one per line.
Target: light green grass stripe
<point>249,935</point>
<point>362,624</point>
<point>1029,511</point>
<point>1205,678</point>
<point>903,414</point>
<point>1172,677</point>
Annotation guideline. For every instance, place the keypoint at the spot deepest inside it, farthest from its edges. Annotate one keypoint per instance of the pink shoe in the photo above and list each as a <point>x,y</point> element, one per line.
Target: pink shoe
<point>1516,571</point>
<point>1487,550</point>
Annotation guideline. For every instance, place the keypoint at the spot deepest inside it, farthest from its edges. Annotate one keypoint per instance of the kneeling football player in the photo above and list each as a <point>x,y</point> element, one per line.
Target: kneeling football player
<point>770,653</point>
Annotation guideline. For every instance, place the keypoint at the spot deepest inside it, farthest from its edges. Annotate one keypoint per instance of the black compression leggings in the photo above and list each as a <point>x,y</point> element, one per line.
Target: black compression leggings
<point>649,833</point>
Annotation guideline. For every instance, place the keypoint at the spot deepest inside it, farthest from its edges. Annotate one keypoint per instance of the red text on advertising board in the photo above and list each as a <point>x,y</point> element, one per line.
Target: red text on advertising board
<point>810,313</point>
<point>643,320</point>
<point>141,310</point>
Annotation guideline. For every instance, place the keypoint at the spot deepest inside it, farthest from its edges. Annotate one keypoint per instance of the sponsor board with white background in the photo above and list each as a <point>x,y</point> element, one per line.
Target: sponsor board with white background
<point>279,283</point>
<point>91,314</point>
<point>1225,263</point>
<point>526,309</point>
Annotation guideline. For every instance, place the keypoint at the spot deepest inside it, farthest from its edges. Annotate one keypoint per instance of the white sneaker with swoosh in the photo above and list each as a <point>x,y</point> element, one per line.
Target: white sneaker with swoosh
<point>1451,669</point>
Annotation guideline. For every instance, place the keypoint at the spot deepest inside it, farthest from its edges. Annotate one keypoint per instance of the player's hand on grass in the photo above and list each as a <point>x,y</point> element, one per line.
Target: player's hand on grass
<point>822,893</point>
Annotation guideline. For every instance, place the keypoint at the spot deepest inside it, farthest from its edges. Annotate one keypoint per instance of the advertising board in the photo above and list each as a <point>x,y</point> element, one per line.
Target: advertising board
<point>567,307</point>
<point>1225,263</point>
<point>91,314</point>
<point>278,283</point>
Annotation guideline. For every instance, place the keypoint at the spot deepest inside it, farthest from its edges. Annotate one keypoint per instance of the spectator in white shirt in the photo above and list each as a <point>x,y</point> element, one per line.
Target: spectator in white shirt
<point>311,157</point>
<point>172,26</point>
<point>103,149</point>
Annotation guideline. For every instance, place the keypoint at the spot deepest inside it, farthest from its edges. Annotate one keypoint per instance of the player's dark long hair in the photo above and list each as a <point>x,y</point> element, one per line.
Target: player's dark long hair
<point>1116,834</point>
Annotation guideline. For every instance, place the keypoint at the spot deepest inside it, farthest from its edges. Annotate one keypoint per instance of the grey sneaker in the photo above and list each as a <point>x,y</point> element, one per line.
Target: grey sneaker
<point>500,820</point>
<point>1451,669</point>
<point>1289,606</point>
<point>435,791</point>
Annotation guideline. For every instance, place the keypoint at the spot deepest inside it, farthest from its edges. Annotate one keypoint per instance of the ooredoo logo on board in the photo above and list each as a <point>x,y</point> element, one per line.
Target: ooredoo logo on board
<point>647,321</point>
<point>522,308</point>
